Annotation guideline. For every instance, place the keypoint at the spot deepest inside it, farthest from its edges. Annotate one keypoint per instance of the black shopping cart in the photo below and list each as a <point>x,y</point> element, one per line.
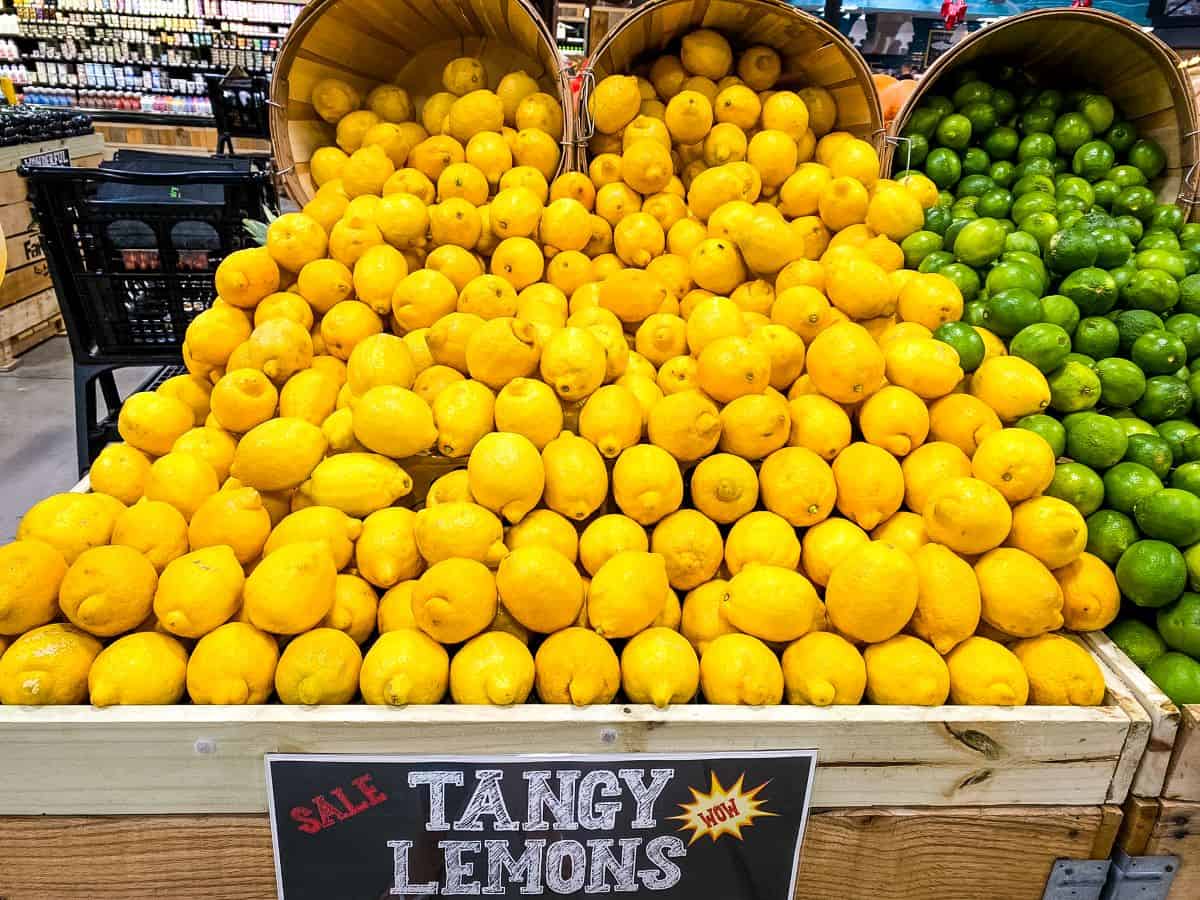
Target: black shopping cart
<point>132,248</point>
<point>241,106</point>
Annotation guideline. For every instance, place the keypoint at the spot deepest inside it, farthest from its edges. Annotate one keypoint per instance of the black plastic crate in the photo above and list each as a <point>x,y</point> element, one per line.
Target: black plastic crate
<point>241,106</point>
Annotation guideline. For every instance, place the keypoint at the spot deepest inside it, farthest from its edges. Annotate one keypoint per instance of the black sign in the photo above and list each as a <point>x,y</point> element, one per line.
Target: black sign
<point>59,157</point>
<point>717,825</point>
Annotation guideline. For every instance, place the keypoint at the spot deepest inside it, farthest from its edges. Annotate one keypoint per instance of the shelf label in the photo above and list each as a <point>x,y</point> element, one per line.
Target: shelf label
<point>725,825</point>
<point>59,157</point>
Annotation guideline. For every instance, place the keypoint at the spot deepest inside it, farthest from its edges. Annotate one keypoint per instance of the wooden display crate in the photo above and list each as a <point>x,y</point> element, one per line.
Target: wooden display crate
<point>191,139</point>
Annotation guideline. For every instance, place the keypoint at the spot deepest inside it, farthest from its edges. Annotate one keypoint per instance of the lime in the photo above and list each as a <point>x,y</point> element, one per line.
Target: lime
<point>956,225</point>
<point>1130,225</point>
<point>937,219</point>
<point>1004,102</point>
<point>1033,184</point>
<point>1078,485</point>
<point>1128,482</point>
<point>1158,352</point>
<point>975,161</point>
<point>1006,275</point>
<point>919,245</point>
<point>1093,160</point>
<point>1151,451</point>
<point>1061,311</point>
<point>964,277</point>
<point>1176,432</point>
<point>972,92</point>
<point>1001,143</point>
<point>1042,225</point>
<point>934,261</point>
<point>1033,202</point>
<point>1002,172</point>
<point>980,242</point>
<point>1151,289</point>
<point>1082,359</point>
<point>1123,274</point>
<point>1074,186</point>
<point>1030,260</point>
<point>1126,176</point>
<point>1095,441</point>
<point>1070,210</point>
<point>1170,515</point>
<point>1135,426</point>
<point>966,342</point>
<point>1037,118</point>
<point>1070,250</point>
<point>1022,242</point>
<point>1159,239</point>
<point>1170,261</point>
<point>1043,344</point>
<point>1050,429</point>
<point>1011,310</point>
<point>976,313</point>
<point>1135,201</point>
<point>1151,573</point>
<point>1148,156</point>
<point>1138,641</point>
<point>1166,397</point>
<point>1191,449</point>
<point>1168,216</point>
<point>1093,290</point>
<point>1071,132</point>
<point>943,167</point>
<point>922,122</point>
<point>1178,675</point>
<point>943,105</point>
<point>1050,98</point>
<point>912,149</point>
<point>953,131</point>
<point>1191,556</point>
<point>964,206</point>
<point>1187,477</point>
<point>1038,144</point>
<point>995,203</point>
<point>1121,136</point>
<point>1133,323</point>
<point>1179,624</point>
<point>1113,247</point>
<point>1106,192</point>
<point>1109,534</point>
<point>1097,337</point>
<point>1035,165</point>
<point>1098,111</point>
<point>1121,382</point>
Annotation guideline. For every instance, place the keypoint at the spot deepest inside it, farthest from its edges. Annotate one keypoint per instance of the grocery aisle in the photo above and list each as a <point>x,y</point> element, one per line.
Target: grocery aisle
<point>37,422</point>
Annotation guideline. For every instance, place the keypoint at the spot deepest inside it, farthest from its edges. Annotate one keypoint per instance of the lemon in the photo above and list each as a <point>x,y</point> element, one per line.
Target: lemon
<point>686,424</point>
<point>234,517</point>
<point>333,99</point>
<point>530,408</point>
<point>492,669</point>
<point>607,536</point>
<point>152,422</point>
<point>292,589</point>
<point>870,484</point>
<point>155,529</point>
<point>506,474</point>
<point>733,367</point>
<point>1049,529</point>
<point>1011,386</point>
<point>47,666</point>
<point>294,240</point>
<point>659,666</point>
<point>823,669</point>
<point>354,610</point>
<point>544,306</point>
<point>872,592</point>
<point>394,421</point>
<point>234,664</point>
<point>614,103</point>
<point>895,419</point>
<point>826,545</point>
<point>216,332</point>
<point>512,89</point>
<point>799,195</point>
<point>319,667</point>
<point>948,599</point>
<point>459,529</point>
<point>404,667</point>
<point>527,177</point>
<point>386,552</point>
<point>462,414</point>
<point>453,487</point>
<point>448,338</point>
<point>454,600</point>
<point>771,602</point>
<point>489,297</point>
<point>120,471</point>
<point>395,608</point>
<point>346,325</point>
<point>142,669</point>
<point>930,300</point>
<point>724,487</point>
<point>242,399</point>
<point>904,530</point>
<point>1091,599</point>
<point>906,671</point>
<point>376,274</point>
<point>738,669</point>
<point>927,367</point>
<point>755,425</point>
<point>577,666</point>
<point>244,277</point>
<point>310,395</point>
<point>545,528</point>
<point>706,52</point>
<point>967,515</point>
<point>108,590</point>
<point>691,545</point>
<point>1015,461</point>
<point>627,593</point>
<point>798,485</point>
<point>71,523</point>
<point>332,527</point>
<point>689,116</point>
<point>191,390</point>
<point>30,575</point>
<point>502,349</point>
<point>1019,595</point>
<point>540,112</point>
<point>278,454</point>
<point>611,419</point>
<point>845,364</point>
<point>540,588</point>
<point>985,673</point>
<point>647,484</point>
<point>576,480</point>
<point>819,425</point>
<point>646,165</point>
<point>1061,673</point>
<point>352,129</point>
<point>519,261</point>
<point>703,616</point>
<point>930,466</point>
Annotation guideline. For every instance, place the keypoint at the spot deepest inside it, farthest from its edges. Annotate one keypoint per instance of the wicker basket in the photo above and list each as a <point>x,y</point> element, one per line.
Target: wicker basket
<point>1141,74</point>
<point>365,42</point>
<point>813,52</point>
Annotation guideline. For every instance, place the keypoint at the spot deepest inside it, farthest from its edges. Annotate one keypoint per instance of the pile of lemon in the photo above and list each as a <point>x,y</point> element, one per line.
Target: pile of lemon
<point>707,443</point>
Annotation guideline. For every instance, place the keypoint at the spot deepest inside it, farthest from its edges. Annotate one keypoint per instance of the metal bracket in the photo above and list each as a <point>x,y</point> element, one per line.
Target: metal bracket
<point>1076,879</point>
<point>1140,877</point>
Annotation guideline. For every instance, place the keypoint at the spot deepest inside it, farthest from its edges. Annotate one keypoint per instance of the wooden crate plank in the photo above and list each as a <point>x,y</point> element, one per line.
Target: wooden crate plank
<point>1183,774</point>
<point>1141,815</point>
<point>80,146</point>
<point>11,350</point>
<point>209,759</point>
<point>24,282</point>
<point>28,314</point>
<point>23,248</point>
<point>886,853</point>
<point>1177,832</point>
<point>1136,740</point>
<point>16,217</point>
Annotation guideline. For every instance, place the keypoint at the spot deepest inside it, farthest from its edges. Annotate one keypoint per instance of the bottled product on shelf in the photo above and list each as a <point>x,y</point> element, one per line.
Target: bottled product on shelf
<point>27,125</point>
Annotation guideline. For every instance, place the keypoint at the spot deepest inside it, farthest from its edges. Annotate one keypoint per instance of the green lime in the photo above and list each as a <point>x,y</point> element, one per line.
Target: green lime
<point>1191,556</point>
<point>1179,624</point>
<point>1033,184</point>
<point>1151,289</point>
<point>1186,326</point>
<point>1170,261</point>
<point>995,203</point>
<point>1096,336</point>
<point>922,122</point>
<point>964,206</point>
<point>1135,426</point>
<point>956,225</point>
<point>1123,274</point>
<point>1135,201</point>
<point>912,149</point>
<point>943,105</point>
<point>1006,275</point>
<point>966,342</point>
<point>1121,382</point>
<point>1151,573</point>
<point>972,92</point>
<point>943,167</point>
<point>1043,344</point>
<point>1069,208</point>
<point>1176,432</point>
<point>1158,239</point>
<point>934,261</point>
<point>1050,429</point>
<point>1037,118</point>
<point>1187,477</point>
<point>1170,515</point>
<point>1126,176</point>
<point>1151,451</point>
<point>1098,110</point>
<point>976,313</point>
<point>1073,186</point>
<point>1113,248</point>
<point>982,117</point>
<point>1109,534</point>
<point>954,131</point>
<point>1042,225</point>
<point>964,277</point>
<point>1106,192</point>
<point>1038,144</point>
<point>1082,359</point>
<point>1191,449</point>
<point>1071,132</point>
<point>1011,310</point>
<point>1178,675</point>
<point>1131,226</point>
<point>1031,260</point>
<point>1148,156</point>
<point>1023,242</point>
<point>1121,136</point>
<point>1166,397</point>
<point>1093,160</point>
<point>971,188</point>
<point>975,161</point>
<point>1167,215</point>
<point>1033,202</point>
<point>1061,311</point>
<point>1002,172</point>
<point>1035,165</point>
<point>1093,290</point>
<point>1095,441</point>
<point>918,245</point>
<point>1078,485</point>
<point>1070,250</point>
<point>1158,352</point>
<point>1128,482</point>
<point>1004,102</point>
<point>1001,143</point>
<point>1138,641</point>
<point>1133,323</point>
<point>980,242</point>
<point>1050,98</point>
<point>937,219</point>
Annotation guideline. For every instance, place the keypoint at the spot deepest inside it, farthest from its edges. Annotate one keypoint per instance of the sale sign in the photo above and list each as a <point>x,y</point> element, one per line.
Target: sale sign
<point>688,825</point>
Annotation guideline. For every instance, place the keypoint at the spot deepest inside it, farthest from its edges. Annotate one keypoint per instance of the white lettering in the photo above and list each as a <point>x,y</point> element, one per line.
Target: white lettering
<point>598,816</point>
<point>646,795</point>
<point>486,801</point>
<point>526,870</point>
<point>542,796</point>
<point>459,869</point>
<point>401,887</point>
<point>660,851</point>
<point>605,864</point>
<point>572,856</point>
<point>437,782</point>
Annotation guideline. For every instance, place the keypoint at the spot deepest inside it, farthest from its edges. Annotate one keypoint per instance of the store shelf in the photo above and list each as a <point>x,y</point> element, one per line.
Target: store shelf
<point>136,116</point>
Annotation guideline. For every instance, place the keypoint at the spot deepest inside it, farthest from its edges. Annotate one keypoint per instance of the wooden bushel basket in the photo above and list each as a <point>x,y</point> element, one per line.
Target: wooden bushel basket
<point>408,42</point>
<point>813,52</point>
<point>1088,48</point>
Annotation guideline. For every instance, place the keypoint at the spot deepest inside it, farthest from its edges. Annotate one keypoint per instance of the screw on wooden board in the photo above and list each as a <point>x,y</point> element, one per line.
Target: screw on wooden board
<point>608,735</point>
<point>205,746</point>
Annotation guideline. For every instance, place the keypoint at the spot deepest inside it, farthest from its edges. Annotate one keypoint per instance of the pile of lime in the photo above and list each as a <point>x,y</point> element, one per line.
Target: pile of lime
<point>1048,222</point>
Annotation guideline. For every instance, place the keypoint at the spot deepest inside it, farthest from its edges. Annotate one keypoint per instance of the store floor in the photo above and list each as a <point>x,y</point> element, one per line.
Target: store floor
<point>37,429</point>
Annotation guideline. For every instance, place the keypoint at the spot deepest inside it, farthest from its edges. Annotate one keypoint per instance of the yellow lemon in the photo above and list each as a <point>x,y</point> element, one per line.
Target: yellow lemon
<point>823,669</point>
<point>1010,386</point>
<point>530,408</point>
<point>354,610</point>
<point>895,419</point>
<point>462,413</point>
<point>506,474</point>
<point>685,424</point>
<point>627,593</point>
<point>393,421</point>
<point>357,483</point>
<point>1018,593</point>
<point>294,240</point>
<point>906,671</point>
<point>962,420</point>
<point>786,111</point>
<point>386,552</point>
<point>155,529</point>
<point>843,202</point>
<point>454,600</point>
<point>632,294</point>
<point>948,599</point>
<point>819,425</point>
<point>1091,599</point>
<point>607,536</point>
<point>611,419</point>
<point>404,667</point>
<point>502,349</point>
<point>449,335</point>
<point>691,545</point>
<point>292,589</point>
<point>826,544</point>
<point>740,670</point>
<point>234,664</point>
<point>893,210</point>
<point>191,390</point>
<point>47,666</point>
<point>761,538</point>
<point>319,667</point>
<point>235,517</point>
<point>1061,673</point>
<point>310,395</point>
<point>30,575</point>
<point>577,666</point>
<point>120,471</point>
<point>214,334</point>
<point>331,527</point>
<point>108,590</point>
<point>1016,462</point>
<point>493,669</point>
<point>459,529</point>
<point>71,523</point>
<point>724,487</point>
<point>703,616</point>
<point>1049,529</point>
<point>870,484</point>
<point>927,367</point>
<point>967,515</point>
<point>771,603</point>
<point>985,673</point>
<point>576,480</point>
<point>182,480</point>
<point>142,669</point>
<point>845,364</point>
<point>733,367</point>
<point>545,528</point>
<point>540,588</point>
<point>660,667</point>
<point>930,300</point>
<point>395,608</point>
<point>573,362</point>
<point>872,592</point>
<point>151,422</point>
<point>647,484</point>
<point>453,487</point>
<point>242,399</point>
<point>278,454</point>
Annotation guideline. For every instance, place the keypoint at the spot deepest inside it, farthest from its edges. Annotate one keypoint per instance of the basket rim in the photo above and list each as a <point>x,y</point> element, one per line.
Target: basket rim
<point>1168,59</point>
